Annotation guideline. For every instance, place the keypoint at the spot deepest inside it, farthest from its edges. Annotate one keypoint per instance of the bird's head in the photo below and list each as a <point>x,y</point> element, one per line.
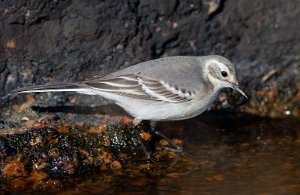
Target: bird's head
<point>221,73</point>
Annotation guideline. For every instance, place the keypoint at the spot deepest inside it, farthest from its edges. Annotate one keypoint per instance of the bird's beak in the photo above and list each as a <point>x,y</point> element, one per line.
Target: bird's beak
<point>236,87</point>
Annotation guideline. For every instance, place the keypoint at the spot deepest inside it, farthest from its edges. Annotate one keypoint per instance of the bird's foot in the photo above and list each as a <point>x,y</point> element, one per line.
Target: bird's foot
<point>148,156</point>
<point>179,150</point>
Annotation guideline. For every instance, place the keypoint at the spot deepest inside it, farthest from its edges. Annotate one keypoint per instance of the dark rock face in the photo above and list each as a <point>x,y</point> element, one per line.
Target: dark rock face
<point>44,41</point>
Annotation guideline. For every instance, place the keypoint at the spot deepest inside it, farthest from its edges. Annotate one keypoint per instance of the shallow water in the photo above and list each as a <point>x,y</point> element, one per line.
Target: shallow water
<point>229,155</point>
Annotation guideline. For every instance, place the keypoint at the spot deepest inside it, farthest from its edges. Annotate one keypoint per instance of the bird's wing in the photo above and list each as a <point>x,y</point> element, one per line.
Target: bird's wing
<point>142,87</point>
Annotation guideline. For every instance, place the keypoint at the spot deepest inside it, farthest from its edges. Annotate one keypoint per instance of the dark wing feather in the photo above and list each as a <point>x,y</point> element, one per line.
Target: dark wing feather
<point>140,87</point>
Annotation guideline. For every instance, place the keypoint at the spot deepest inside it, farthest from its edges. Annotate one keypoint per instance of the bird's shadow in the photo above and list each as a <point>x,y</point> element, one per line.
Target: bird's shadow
<point>105,109</point>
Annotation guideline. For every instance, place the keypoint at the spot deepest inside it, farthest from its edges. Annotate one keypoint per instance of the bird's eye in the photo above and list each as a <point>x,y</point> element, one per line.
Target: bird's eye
<point>224,73</point>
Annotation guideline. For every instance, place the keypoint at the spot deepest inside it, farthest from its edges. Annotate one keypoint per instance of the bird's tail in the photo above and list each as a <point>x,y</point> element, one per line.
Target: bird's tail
<point>50,88</point>
<point>45,88</point>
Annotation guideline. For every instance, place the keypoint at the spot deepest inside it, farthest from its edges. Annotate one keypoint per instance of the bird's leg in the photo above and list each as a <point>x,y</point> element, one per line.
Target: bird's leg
<point>7,96</point>
<point>136,122</point>
<point>177,149</point>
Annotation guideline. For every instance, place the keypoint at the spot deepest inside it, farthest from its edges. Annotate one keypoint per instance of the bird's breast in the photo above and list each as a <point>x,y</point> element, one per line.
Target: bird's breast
<point>199,104</point>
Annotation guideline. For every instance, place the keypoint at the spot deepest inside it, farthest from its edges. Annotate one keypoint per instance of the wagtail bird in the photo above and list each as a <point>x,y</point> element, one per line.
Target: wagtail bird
<point>171,88</point>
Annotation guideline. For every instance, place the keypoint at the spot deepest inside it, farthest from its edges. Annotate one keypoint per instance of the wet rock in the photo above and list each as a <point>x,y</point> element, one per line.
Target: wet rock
<point>5,149</point>
<point>48,145</point>
<point>14,169</point>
